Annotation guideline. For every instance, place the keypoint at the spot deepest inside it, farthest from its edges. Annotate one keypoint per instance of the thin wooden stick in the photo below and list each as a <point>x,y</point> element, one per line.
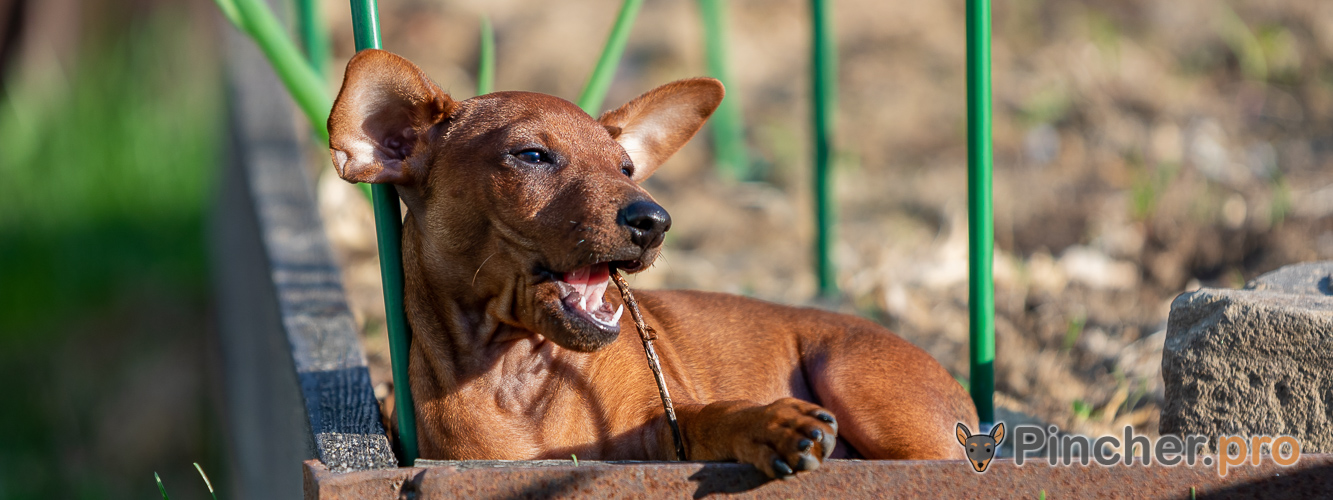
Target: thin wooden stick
<point>648,335</point>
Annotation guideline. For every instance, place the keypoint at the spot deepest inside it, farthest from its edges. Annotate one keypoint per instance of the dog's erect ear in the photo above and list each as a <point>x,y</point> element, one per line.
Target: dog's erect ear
<point>963,434</point>
<point>998,432</point>
<point>383,115</point>
<point>656,124</point>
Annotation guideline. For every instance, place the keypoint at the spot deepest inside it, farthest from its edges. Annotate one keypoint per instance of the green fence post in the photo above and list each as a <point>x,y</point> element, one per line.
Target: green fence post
<point>824,68</point>
<point>389,234</point>
<point>728,130</point>
<point>981,231</point>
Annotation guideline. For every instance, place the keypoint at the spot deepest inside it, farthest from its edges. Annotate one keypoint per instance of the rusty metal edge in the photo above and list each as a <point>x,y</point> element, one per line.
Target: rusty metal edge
<point>320,482</point>
<point>1311,477</point>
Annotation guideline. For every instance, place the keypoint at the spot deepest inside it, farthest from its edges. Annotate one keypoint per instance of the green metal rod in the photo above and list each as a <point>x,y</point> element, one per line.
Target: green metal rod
<point>594,92</point>
<point>306,86</point>
<point>486,58</point>
<point>389,234</point>
<point>727,126</point>
<point>824,69</point>
<point>314,37</point>
<point>981,230</point>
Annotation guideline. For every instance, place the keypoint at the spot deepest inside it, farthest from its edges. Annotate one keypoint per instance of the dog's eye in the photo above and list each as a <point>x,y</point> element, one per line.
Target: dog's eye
<point>628,171</point>
<point>533,156</point>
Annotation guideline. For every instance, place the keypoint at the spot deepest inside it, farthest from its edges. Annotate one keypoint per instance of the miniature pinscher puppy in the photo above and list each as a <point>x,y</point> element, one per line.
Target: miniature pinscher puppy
<point>519,205</point>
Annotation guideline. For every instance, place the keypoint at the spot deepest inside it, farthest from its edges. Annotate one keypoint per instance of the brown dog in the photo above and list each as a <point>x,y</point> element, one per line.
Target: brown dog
<point>519,205</point>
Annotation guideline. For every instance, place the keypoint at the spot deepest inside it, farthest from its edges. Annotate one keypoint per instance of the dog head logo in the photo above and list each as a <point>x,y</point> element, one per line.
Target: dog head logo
<point>981,447</point>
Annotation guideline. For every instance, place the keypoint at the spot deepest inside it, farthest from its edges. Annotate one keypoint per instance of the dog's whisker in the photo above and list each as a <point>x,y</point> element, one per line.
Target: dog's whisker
<point>483,263</point>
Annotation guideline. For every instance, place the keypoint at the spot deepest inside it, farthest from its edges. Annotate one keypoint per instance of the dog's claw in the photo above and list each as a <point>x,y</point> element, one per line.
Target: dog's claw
<point>804,445</point>
<point>828,419</point>
<point>788,439</point>
<point>807,463</point>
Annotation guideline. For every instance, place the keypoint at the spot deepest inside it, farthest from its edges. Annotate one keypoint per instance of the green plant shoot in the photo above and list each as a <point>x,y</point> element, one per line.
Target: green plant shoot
<point>254,18</point>
<point>160,487</point>
<point>594,92</point>
<point>207,483</point>
<point>486,59</point>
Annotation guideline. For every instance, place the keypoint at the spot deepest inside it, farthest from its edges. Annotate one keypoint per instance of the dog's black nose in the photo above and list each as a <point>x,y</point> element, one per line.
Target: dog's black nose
<point>647,222</point>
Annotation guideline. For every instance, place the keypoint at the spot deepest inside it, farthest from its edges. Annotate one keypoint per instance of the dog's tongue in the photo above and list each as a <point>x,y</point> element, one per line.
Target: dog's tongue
<point>590,284</point>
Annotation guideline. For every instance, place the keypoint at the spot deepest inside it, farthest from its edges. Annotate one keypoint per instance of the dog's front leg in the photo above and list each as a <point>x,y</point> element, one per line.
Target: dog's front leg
<point>779,438</point>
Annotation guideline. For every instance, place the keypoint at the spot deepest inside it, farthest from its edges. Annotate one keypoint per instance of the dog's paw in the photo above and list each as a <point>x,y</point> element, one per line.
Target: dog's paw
<point>789,436</point>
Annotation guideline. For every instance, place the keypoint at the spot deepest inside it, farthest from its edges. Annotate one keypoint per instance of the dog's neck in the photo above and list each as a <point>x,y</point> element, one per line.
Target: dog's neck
<point>455,316</point>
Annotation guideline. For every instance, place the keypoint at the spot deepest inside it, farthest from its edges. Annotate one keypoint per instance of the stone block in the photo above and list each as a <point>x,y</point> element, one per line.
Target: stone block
<point>1254,361</point>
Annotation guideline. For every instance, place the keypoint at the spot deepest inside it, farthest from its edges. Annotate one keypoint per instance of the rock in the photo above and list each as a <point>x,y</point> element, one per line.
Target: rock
<point>1257,361</point>
<point>1098,271</point>
<point>1206,148</point>
<point>1310,278</point>
<point>1045,274</point>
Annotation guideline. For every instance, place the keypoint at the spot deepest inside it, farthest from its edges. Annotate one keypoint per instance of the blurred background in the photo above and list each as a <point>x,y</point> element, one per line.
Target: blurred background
<point>110,121</point>
<point>1142,149</point>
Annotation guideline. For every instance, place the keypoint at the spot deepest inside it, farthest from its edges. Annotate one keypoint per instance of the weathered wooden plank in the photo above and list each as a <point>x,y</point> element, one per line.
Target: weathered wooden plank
<point>296,376</point>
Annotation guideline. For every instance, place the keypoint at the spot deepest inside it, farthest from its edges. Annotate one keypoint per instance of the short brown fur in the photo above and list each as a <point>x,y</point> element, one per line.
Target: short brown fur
<point>500,371</point>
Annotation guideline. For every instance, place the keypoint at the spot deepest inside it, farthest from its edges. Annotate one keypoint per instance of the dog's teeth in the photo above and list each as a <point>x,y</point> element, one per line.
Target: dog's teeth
<point>615,318</point>
<point>595,297</point>
<point>596,290</point>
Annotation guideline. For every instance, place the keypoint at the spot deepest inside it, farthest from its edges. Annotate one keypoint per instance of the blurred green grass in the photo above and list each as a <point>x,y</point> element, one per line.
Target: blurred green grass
<point>107,166</point>
<point>107,174</point>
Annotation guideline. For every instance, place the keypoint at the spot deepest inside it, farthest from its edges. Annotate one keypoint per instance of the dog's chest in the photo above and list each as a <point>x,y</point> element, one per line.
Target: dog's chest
<point>516,378</point>
<point>537,399</point>
<point>526,380</point>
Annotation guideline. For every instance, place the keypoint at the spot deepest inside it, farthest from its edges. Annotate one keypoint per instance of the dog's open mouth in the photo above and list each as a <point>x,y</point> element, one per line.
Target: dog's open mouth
<point>574,311</point>
<point>581,291</point>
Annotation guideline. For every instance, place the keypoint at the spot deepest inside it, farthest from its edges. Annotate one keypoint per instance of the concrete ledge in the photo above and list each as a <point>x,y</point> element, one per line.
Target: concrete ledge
<point>1311,477</point>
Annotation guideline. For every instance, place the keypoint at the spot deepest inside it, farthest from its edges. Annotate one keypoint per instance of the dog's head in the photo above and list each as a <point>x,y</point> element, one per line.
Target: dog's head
<point>518,196</point>
<point>980,448</point>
